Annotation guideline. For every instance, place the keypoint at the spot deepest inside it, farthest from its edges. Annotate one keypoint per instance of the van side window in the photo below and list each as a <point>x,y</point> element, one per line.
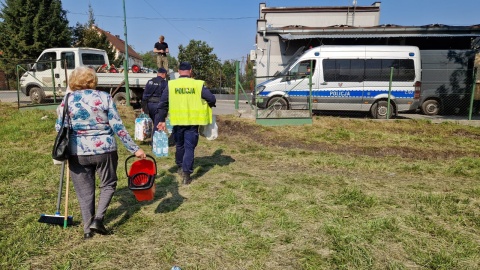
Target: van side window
<point>47,61</point>
<point>379,70</point>
<point>70,57</point>
<point>302,69</point>
<point>343,70</point>
<point>93,59</point>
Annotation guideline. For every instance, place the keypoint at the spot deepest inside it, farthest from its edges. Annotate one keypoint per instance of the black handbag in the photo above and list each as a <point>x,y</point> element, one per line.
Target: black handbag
<point>60,150</point>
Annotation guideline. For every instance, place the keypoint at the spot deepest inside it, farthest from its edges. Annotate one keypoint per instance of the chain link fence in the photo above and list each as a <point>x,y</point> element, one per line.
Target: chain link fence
<point>365,87</point>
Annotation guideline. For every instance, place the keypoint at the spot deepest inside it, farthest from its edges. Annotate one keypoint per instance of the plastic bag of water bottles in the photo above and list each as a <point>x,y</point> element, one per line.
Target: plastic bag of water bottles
<point>168,125</point>
<point>160,144</point>
<point>143,127</point>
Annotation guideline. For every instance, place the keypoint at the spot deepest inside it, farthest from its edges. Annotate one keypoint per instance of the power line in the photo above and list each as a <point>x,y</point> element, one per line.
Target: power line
<point>170,19</point>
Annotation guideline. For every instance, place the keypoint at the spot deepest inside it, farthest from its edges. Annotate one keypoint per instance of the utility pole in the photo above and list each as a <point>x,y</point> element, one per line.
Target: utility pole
<point>125,61</point>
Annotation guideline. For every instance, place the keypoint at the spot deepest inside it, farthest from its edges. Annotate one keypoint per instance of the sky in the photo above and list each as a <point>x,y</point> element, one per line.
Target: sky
<point>229,26</point>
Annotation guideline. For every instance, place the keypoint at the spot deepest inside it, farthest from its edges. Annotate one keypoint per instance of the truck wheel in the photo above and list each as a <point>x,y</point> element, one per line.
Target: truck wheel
<point>379,110</point>
<point>37,95</point>
<point>120,99</point>
<point>277,103</point>
<point>430,107</point>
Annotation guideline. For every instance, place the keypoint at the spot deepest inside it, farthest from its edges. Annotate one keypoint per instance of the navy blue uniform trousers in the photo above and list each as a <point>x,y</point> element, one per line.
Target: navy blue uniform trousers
<point>152,109</point>
<point>186,139</point>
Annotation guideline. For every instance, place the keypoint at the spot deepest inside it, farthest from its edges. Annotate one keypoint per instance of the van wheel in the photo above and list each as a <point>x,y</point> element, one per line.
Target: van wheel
<point>430,107</point>
<point>379,110</point>
<point>37,95</point>
<point>277,103</point>
<point>120,99</point>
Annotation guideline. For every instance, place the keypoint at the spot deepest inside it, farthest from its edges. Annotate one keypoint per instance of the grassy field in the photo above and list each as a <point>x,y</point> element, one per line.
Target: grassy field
<point>339,194</point>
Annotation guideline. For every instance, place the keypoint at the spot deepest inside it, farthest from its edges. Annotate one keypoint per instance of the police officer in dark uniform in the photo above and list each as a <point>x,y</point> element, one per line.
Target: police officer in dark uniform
<point>153,92</point>
<point>188,103</point>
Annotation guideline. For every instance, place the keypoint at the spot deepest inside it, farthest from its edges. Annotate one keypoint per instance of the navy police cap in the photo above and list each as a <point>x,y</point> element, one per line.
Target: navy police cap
<point>185,66</point>
<point>162,70</point>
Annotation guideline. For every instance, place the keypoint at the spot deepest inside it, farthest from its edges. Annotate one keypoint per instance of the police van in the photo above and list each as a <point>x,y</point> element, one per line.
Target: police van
<point>347,78</point>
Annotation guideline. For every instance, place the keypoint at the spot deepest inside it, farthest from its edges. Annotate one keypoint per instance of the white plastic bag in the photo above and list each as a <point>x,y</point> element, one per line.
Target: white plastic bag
<point>210,131</point>
<point>143,127</point>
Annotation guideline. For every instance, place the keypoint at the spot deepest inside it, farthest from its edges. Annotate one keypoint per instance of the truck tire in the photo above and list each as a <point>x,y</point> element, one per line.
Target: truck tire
<point>277,103</point>
<point>379,110</point>
<point>430,107</point>
<point>37,95</point>
<point>120,99</point>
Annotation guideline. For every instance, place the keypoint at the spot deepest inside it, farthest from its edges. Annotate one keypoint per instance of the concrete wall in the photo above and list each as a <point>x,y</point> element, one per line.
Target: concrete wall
<point>272,52</point>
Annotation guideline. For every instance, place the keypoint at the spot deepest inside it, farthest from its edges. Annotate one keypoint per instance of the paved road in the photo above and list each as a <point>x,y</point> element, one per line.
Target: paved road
<point>226,105</point>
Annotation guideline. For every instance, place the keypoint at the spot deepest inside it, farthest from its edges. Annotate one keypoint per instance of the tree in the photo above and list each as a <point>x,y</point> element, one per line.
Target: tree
<point>27,27</point>
<point>229,74</point>
<point>249,80</point>
<point>204,63</point>
<point>88,35</point>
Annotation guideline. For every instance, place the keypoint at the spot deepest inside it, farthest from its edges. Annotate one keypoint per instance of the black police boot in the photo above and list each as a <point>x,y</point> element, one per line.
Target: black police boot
<point>186,178</point>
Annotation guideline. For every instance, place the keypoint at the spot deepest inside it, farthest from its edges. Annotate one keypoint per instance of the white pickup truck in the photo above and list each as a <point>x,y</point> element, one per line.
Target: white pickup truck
<point>47,77</point>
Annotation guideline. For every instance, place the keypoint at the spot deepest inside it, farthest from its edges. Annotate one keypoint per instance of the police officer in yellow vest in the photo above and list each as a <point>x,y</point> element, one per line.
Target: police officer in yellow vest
<point>188,103</point>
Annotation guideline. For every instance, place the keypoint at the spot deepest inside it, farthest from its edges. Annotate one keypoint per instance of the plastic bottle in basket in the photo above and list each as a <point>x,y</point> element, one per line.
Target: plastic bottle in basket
<point>160,144</point>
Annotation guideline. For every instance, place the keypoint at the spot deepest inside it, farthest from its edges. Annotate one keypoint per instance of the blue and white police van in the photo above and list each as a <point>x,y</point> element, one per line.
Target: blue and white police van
<point>347,78</point>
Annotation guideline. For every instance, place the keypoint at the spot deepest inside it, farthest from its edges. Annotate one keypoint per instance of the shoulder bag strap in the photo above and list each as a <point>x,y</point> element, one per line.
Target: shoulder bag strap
<point>65,110</point>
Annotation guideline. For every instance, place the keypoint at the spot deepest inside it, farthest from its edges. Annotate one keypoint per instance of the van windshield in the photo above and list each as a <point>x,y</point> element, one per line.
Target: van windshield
<point>292,60</point>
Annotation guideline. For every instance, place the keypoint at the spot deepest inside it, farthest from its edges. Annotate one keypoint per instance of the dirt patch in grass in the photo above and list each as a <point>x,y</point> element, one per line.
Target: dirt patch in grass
<point>272,137</point>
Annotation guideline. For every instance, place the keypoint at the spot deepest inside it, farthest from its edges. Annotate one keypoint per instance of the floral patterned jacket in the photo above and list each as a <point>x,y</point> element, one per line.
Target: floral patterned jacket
<point>94,120</point>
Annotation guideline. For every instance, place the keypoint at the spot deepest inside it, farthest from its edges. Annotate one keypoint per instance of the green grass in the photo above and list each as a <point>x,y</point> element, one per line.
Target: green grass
<point>338,194</point>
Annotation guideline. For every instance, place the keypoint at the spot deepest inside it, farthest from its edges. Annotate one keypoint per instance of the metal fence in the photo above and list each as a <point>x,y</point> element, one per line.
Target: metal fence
<point>365,89</point>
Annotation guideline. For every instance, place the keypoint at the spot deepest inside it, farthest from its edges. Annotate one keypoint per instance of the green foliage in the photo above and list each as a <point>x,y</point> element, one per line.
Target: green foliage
<point>27,27</point>
<point>204,63</point>
<point>249,77</point>
<point>228,74</point>
<point>149,60</point>
<point>172,62</point>
<point>88,35</point>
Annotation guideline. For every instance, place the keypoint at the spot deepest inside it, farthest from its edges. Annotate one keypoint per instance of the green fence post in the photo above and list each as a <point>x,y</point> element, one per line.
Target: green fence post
<point>389,92</point>
<point>125,62</point>
<point>237,82</point>
<point>474,79</point>
<point>310,89</point>
<point>18,87</point>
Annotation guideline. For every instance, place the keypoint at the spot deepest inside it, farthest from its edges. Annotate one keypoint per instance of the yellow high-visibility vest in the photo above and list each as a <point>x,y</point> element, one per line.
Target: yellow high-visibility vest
<point>186,106</point>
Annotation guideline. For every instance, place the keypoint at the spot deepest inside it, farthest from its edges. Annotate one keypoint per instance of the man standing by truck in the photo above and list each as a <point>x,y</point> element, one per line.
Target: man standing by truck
<point>189,104</point>
<point>161,49</point>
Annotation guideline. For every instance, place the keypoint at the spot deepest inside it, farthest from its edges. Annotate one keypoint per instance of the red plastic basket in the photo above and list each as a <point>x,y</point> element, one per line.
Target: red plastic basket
<point>141,177</point>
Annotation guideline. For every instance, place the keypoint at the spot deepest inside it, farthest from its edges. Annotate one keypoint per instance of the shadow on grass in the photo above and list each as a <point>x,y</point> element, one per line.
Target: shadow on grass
<point>166,183</point>
<point>205,164</point>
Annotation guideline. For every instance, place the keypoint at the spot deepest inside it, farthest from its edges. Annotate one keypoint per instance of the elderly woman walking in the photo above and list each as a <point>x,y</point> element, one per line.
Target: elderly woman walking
<point>94,121</point>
